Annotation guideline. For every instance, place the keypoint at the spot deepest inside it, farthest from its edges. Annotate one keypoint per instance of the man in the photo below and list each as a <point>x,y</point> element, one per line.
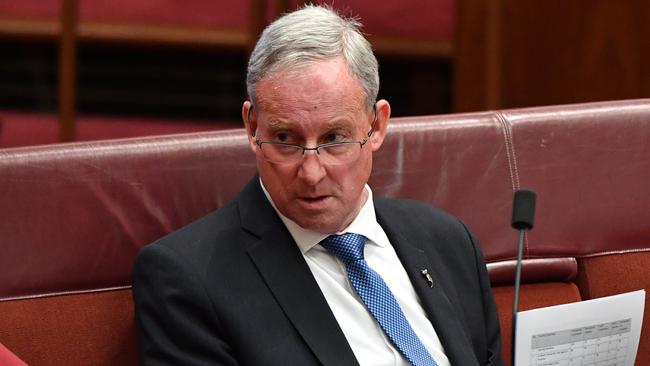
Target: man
<point>305,267</point>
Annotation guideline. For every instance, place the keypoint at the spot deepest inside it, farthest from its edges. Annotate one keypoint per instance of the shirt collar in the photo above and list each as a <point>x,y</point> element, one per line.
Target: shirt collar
<point>365,224</point>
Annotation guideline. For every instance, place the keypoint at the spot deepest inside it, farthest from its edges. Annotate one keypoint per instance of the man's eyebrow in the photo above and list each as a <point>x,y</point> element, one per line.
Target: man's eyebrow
<point>340,124</point>
<point>278,125</point>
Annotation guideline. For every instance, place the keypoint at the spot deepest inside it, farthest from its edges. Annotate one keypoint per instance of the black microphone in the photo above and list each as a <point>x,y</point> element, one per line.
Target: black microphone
<point>523,218</point>
<point>523,210</point>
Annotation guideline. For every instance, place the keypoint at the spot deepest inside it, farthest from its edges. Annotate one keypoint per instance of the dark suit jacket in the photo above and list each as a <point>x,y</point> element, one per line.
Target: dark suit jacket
<point>233,288</point>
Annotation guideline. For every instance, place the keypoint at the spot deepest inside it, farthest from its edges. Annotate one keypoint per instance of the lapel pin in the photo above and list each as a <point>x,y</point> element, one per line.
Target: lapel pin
<point>427,276</point>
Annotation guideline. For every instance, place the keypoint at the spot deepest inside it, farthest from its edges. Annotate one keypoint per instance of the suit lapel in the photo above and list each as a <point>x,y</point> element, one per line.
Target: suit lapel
<point>441,312</point>
<point>288,277</point>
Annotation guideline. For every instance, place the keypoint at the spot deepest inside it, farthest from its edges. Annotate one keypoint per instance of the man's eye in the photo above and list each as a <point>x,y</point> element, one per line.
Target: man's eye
<point>282,137</point>
<point>334,137</point>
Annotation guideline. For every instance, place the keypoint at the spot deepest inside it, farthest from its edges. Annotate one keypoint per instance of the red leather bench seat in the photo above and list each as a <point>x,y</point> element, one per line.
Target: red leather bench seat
<point>590,165</point>
<point>76,329</point>
<point>532,296</point>
<point>75,215</point>
<point>458,162</point>
<point>615,273</point>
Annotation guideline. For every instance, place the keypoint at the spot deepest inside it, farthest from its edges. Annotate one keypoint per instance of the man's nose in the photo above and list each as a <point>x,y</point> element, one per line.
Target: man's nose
<point>311,169</point>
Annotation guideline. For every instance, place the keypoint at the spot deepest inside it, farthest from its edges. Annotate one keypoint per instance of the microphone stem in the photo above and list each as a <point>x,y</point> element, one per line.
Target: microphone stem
<point>515,302</point>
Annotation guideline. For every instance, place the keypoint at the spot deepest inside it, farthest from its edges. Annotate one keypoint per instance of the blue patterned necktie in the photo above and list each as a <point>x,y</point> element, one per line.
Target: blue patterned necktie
<point>378,298</point>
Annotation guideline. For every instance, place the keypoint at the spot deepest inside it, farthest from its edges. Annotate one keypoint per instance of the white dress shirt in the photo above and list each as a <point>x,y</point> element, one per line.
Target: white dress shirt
<point>366,338</point>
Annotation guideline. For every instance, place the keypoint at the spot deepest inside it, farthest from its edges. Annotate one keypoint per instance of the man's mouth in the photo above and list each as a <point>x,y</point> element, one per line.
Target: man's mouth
<point>313,198</point>
<point>313,201</point>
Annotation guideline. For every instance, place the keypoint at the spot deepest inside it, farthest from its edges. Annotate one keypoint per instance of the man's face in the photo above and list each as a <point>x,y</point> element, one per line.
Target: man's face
<point>317,104</point>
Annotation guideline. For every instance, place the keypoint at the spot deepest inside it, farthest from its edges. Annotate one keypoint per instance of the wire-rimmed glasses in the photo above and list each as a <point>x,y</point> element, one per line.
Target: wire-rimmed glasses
<point>333,153</point>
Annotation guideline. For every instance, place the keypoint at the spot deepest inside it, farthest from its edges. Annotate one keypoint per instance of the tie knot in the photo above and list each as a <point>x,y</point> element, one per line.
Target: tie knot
<point>347,247</point>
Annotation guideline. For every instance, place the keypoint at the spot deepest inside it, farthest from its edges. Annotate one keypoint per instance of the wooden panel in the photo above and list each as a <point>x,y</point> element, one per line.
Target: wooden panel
<point>68,70</point>
<point>516,53</point>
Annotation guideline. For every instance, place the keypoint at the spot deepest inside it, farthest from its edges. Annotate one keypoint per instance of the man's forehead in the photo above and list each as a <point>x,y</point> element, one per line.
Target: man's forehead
<point>310,86</point>
<point>290,109</point>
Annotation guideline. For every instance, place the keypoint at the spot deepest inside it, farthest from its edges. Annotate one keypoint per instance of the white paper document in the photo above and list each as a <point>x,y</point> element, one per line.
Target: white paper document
<point>596,332</point>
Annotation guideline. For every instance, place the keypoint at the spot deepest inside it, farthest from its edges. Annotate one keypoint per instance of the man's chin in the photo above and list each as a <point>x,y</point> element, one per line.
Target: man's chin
<point>320,225</point>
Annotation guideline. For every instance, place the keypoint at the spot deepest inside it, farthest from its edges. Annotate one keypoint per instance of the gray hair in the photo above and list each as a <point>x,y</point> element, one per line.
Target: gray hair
<point>314,33</point>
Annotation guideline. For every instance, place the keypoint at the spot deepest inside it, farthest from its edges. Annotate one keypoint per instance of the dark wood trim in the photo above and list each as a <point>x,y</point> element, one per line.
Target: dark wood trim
<point>411,47</point>
<point>68,69</point>
<point>493,59</point>
<point>29,28</point>
<point>257,22</point>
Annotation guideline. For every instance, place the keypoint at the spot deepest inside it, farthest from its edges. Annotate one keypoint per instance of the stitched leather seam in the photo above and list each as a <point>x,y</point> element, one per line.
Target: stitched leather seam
<point>612,252</point>
<point>64,293</point>
<point>512,161</point>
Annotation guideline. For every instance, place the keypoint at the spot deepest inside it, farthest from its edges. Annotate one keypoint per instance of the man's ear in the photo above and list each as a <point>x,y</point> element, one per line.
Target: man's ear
<point>380,126</point>
<point>250,123</point>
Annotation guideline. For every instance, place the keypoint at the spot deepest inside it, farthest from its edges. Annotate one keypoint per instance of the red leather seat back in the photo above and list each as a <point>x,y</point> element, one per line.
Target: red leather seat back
<point>590,166</point>
<point>456,162</point>
<point>75,215</point>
